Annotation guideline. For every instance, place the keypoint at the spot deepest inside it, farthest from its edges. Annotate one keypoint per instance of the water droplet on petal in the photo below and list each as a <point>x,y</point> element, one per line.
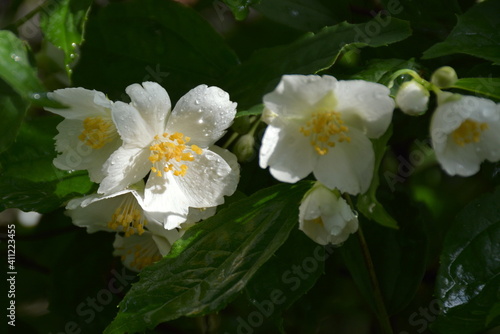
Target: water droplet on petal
<point>196,102</point>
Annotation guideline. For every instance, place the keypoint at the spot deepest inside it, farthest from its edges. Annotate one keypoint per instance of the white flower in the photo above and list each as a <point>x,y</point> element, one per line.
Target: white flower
<point>121,212</point>
<point>465,131</point>
<point>87,136</point>
<point>321,125</point>
<point>174,148</point>
<point>139,251</point>
<point>325,217</point>
<point>412,98</point>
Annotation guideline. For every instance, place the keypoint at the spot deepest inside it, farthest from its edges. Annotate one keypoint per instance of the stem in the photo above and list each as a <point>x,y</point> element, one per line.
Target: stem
<point>381,311</point>
<point>382,315</point>
<point>25,18</point>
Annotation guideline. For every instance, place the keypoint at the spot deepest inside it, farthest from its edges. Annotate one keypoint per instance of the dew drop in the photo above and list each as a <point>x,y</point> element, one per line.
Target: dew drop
<point>72,56</point>
<point>36,96</point>
<point>196,102</point>
<point>15,57</point>
<point>200,121</point>
<point>73,45</point>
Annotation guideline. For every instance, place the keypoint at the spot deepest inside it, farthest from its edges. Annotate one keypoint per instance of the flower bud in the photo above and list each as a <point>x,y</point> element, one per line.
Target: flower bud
<point>325,217</point>
<point>444,77</point>
<point>412,98</point>
<point>244,147</point>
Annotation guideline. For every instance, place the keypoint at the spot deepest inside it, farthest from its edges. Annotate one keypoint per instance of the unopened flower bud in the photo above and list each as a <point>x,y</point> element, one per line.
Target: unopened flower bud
<point>244,147</point>
<point>444,77</point>
<point>412,98</point>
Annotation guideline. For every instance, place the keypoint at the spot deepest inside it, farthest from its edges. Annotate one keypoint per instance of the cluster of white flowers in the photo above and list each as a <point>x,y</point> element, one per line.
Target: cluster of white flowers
<point>465,130</point>
<point>157,168</point>
<point>320,125</point>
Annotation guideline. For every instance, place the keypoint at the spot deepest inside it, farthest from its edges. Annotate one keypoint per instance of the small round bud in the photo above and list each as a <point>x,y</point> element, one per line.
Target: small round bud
<point>244,148</point>
<point>444,77</point>
<point>412,98</point>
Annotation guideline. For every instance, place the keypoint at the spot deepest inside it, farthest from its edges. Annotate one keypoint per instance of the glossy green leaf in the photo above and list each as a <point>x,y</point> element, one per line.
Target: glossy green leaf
<point>151,40</point>
<point>12,110</point>
<point>367,203</point>
<point>28,179</point>
<point>213,261</point>
<point>477,33</point>
<point>399,256</point>
<point>469,276</point>
<point>15,68</point>
<point>489,87</point>
<point>240,8</point>
<point>303,15</point>
<point>63,24</point>
<point>309,54</point>
<point>381,70</point>
<point>288,275</point>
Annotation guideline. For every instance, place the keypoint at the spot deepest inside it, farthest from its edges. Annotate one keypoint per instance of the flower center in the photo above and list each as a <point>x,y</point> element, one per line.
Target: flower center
<point>468,132</point>
<point>316,220</point>
<point>168,151</point>
<point>143,256</point>
<point>97,132</point>
<point>128,217</point>
<point>325,128</point>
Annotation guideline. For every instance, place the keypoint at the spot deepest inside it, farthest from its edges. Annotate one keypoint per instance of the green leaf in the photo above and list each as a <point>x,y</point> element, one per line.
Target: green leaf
<point>367,203</point>
<point>489,87</point>
<point>288,275</point>
<point>303,15</point>
<point>213,261</point>
<point>381,70</point>
<point>399,256</point>
<point>151,40</point>
<point>28,179</point>
<point>63,24</point>
<point>240,8</point>
<point>12,110</point>
<point>469,276</point>
<point>15,67</point>
<point>309,54</point>
<point>477,33</point>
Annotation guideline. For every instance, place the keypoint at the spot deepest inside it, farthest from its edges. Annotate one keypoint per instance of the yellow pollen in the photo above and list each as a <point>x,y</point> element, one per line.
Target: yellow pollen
<point>468,132</point>
<point>316,220</point>
<point>168,151</point>
<point>97,132</point>
<point>321,127</point>
<point>142,257</point>
<point>128,217</point>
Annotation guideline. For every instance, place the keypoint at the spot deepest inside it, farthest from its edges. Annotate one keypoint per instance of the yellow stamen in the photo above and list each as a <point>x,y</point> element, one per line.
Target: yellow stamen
<point>142,257</point>
<point>468,132</point>
<point>321,127</point>
<point>97,132</point>
<point>169,150</point>
<point>316,220</point>
<point>128,217</point>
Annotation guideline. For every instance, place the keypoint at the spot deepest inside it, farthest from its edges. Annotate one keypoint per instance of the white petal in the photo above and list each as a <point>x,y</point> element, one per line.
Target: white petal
<point>81,103</point>
<point>136,251</point>
<point>365,105</point>
<point>133,129</point>
<point>295,95</point>
<point>94,216</point>
<point>203,114</point>
<point>412,98</point>
<point>208,179</point>
<point>152,102</point>
<point>165,201</point>
<point>288,153</point>
<point>76,155</point>
<point>126,166</point>
<point>347,166</point>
